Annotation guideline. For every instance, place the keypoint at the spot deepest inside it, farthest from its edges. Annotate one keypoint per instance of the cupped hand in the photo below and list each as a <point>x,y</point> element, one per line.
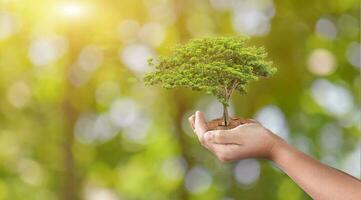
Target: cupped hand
<point>249,140</point>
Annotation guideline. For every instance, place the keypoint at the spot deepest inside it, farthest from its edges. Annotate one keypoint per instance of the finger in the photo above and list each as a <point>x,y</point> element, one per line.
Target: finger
<point>225,152</point>
<point>191,121</point>
<point>200,123</point>
<point>223,137</point>
<point>200,126</point>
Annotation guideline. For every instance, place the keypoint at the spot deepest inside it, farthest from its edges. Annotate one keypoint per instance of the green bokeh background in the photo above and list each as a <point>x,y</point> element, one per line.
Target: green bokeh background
<point>72,129</point>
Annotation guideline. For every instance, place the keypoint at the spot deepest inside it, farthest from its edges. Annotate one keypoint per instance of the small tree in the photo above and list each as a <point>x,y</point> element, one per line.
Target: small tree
<point>216,65</point>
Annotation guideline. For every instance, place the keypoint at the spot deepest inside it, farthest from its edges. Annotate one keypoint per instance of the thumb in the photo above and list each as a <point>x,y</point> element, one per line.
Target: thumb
<point>200,123</point>
<point>222,137</point>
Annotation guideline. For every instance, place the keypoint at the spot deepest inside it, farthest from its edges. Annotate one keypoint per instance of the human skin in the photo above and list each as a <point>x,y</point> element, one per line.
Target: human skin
<point>252,140</point>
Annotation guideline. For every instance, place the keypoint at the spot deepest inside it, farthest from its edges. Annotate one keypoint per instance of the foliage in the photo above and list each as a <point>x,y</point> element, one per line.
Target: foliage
<point>91,131</point>
<point>217,65</point>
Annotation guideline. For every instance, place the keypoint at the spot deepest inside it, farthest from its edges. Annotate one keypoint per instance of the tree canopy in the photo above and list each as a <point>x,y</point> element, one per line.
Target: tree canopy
<point>216,65</point>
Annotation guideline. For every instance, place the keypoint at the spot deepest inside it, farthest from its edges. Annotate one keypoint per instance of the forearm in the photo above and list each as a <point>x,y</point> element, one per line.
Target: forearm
<point>320,181</point>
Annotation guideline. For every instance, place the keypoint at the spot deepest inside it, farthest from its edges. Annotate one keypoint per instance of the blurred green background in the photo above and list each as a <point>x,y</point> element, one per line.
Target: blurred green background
<point>77,122</point>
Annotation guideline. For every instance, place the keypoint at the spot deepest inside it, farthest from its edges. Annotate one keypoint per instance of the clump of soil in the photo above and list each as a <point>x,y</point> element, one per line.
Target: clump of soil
<point>218,124</point>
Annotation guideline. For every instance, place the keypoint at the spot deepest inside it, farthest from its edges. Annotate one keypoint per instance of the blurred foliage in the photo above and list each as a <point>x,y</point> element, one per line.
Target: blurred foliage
<point>77,122</point>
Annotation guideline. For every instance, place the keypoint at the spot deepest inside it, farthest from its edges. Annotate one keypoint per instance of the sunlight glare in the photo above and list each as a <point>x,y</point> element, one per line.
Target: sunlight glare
<point>71,9</point>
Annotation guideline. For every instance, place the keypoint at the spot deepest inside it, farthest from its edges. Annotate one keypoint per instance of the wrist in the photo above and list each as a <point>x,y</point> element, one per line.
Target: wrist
<point>279,149</point>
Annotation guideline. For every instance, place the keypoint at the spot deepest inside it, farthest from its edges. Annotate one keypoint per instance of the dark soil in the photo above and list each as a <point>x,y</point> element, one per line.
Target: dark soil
<point>217,124</point>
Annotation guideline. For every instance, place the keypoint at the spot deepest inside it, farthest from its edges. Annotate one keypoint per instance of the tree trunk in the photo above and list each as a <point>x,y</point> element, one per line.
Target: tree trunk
<point>225,115</point>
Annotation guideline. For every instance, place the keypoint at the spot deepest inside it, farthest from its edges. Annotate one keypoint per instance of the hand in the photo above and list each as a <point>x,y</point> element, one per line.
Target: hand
<point>245,141</point>
<point>318,180</point>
